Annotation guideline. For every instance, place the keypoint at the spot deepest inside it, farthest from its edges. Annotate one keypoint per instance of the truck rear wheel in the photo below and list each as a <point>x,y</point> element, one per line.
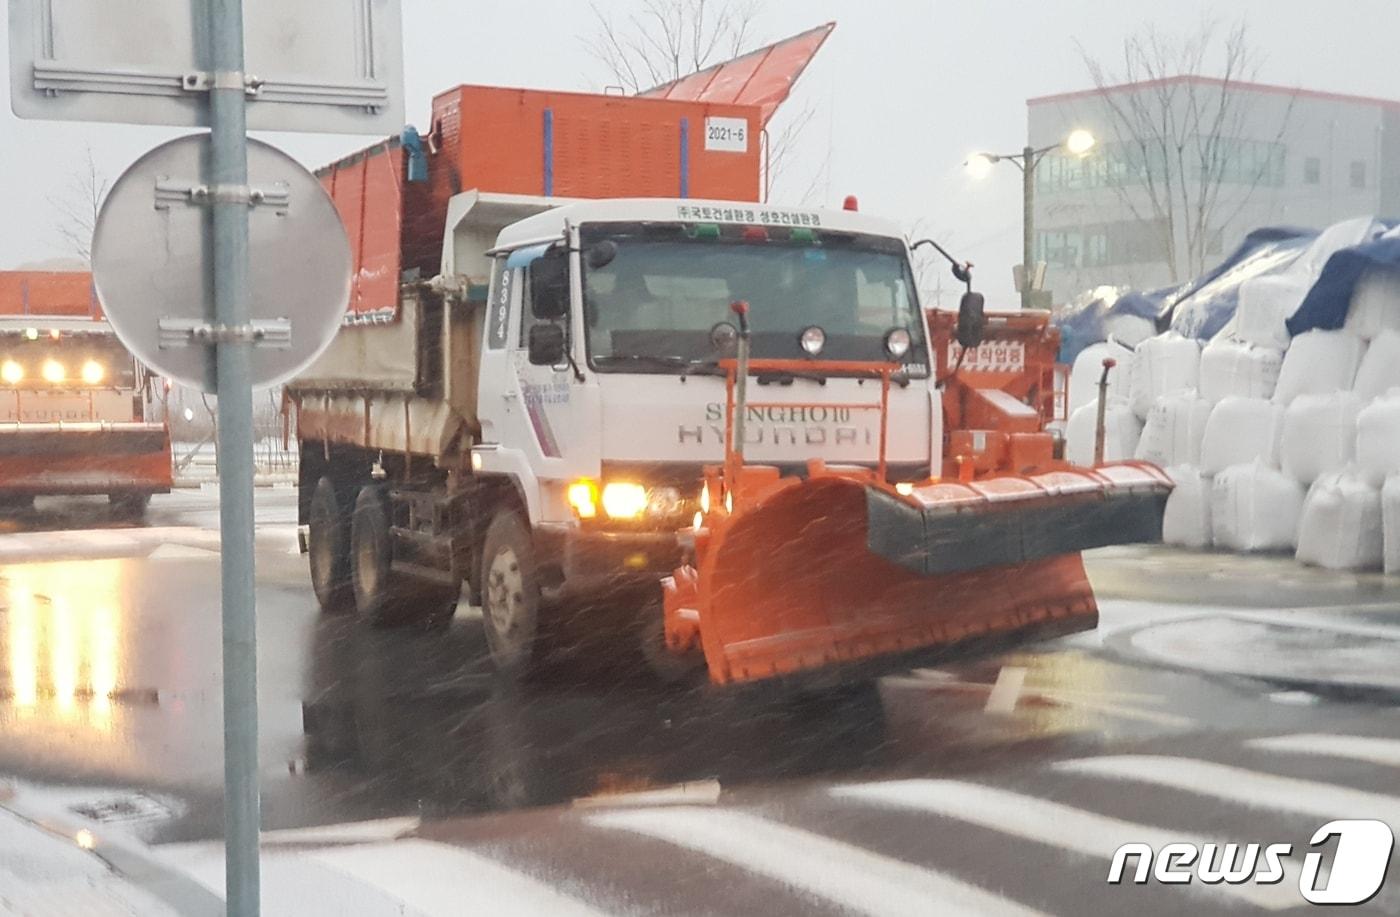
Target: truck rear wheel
<point>328,545</point>
<point>383,597</point>
<point>510,595</point>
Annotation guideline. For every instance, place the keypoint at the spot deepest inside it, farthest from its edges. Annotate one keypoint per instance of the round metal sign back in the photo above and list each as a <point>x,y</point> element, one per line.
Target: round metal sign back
<point>152,263</point>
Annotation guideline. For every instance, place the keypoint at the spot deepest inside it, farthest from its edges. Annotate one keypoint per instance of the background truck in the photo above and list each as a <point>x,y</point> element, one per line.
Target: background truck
<point>537,368</point>
<point>73,401</point>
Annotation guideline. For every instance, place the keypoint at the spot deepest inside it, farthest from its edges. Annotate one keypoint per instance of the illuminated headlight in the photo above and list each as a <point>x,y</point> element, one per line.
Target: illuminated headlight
<point>583,497</point>
<point>813,339</point>
<point>624,500</point>
<point>11,372</point>
<point>898,342</point>
<point>93,372</point>
<point>53,371</point>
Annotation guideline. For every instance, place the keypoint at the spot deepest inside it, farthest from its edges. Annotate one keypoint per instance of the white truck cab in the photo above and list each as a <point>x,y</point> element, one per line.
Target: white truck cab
<point>607,425</point>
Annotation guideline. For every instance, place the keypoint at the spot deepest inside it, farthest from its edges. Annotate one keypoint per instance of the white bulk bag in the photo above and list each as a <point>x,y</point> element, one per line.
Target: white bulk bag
<point>1378,439</point>
<point>1319,435</point>
<point>1131,330</point>
<point>1340,528</point>
<point>1390,517</point>
<point>1186,521</point>
<point>1265,306</point>
<point>1173,431</point>
<point>1255,508</point>
<point>1380,367</point>
<point>1163,364</point>
<point>1121,432</point>
<point>1375,304</point>
<point>1318,363</point>
<point>1084,375</point>
<point>1230,366</point>
<point>1239,431</point>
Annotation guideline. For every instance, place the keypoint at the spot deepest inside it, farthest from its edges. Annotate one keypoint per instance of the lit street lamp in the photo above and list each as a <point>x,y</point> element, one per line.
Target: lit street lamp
<point>979,165</point>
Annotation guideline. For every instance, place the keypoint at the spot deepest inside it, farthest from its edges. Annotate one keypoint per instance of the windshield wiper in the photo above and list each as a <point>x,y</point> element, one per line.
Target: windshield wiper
<point>687,367</point>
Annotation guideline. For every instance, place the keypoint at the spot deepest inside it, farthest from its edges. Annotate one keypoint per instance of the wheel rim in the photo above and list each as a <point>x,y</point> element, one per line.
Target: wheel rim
<point>509,614</point>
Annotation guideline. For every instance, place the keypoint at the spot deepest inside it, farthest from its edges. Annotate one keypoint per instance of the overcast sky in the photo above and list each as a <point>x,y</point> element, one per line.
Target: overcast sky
<point>902,92</point>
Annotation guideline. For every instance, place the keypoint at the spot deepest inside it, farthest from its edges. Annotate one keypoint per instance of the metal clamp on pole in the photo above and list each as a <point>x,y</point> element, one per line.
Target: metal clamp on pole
<point>182,191</point>
<point>183,332</point>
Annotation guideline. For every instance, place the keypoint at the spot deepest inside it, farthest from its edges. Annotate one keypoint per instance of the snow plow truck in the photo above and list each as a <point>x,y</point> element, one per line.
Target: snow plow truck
<point>582,354</point>
<point>73,400</point>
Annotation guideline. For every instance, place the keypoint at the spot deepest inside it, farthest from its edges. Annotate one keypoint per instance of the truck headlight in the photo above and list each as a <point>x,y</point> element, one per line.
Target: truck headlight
<point>53,372</point>
<point>93,372</point>
<point>583,497</point>
<point>11,372</point>
<point>624,500</point>
<point>897,342</point>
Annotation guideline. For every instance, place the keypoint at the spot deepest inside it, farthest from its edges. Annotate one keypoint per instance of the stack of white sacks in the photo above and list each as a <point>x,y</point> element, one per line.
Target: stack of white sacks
<point>1272,448</point>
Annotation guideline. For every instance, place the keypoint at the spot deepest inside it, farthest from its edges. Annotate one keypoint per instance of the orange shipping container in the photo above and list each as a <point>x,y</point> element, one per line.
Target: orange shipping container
<point>52,293</point>
<point>530,142</point>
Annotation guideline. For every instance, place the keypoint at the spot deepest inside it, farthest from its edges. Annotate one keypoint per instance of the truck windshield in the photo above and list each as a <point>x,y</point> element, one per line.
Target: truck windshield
<point>666,289</point>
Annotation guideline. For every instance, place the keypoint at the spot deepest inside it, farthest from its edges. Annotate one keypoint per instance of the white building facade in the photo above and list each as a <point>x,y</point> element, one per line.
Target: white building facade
<point>1281,157</point>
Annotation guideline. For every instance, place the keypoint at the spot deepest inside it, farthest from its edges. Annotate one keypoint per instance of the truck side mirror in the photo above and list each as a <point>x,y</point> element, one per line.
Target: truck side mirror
<point>972,319</point>
<point>547,344</point>
<point>549,286</point>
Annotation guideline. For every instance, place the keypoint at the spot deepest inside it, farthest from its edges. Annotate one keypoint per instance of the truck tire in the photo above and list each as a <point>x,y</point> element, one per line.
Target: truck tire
<point>328,548</point>
<point>129,507</point>
<point>383,597</point>
<point>510,595</point>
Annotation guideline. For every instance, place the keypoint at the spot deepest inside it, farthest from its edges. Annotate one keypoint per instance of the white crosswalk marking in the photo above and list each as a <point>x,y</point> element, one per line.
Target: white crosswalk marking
<point>1055,824</point>
<point>851,876</point>
<point>1358,748</point>
<point>1241,786</point>
<point>435,878</point>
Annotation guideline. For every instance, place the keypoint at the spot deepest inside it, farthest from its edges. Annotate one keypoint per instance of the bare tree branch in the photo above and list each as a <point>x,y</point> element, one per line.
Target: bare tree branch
<point>78,205</point>
<point>1183,126</point>
<point>665,40</point>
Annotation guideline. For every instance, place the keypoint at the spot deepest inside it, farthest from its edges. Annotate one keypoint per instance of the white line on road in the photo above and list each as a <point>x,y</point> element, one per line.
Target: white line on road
<point>1358,748</point>
<point>1007,690</point>
<point>1238,785</point>
<point>850,876</point>
<point>439,879</point>
<point>1052,823</point>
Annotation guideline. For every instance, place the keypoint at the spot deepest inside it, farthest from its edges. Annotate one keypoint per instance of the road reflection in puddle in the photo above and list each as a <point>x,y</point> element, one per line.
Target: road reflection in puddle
<point>61,634</point>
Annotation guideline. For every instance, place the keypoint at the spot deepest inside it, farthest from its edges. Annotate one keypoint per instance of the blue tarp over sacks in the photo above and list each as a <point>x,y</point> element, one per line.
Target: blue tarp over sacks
<point>1326,304</point>
<point>1209,303</point>
<point>1086,320</point>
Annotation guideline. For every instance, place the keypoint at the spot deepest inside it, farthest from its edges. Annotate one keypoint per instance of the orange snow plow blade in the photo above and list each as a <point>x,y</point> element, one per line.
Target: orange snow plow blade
<point>84,458</point>
<point>839,569</point>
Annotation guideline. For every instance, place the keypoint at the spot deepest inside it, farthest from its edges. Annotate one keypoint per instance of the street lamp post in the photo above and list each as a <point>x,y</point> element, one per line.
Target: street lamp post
<point>1079,143</point>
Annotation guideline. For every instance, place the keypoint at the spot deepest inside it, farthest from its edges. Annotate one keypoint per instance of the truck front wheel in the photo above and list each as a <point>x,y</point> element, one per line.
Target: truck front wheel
<point>510,594</point>
<point>328,544</point>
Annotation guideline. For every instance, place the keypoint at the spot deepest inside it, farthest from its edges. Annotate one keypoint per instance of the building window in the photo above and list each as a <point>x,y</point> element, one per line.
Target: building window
<point>1312,171</point>
<point>1358,173</point>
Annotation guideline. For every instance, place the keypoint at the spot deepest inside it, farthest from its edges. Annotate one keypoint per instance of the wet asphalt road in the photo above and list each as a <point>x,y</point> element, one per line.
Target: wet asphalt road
<point>109,690</point>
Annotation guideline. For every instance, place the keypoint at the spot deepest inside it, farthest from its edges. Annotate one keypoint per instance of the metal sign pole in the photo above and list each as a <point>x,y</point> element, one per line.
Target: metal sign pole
<point>230,197</point>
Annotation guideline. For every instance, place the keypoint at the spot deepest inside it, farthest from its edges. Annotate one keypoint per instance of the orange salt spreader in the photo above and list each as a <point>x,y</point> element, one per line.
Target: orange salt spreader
<point>840,570</point>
